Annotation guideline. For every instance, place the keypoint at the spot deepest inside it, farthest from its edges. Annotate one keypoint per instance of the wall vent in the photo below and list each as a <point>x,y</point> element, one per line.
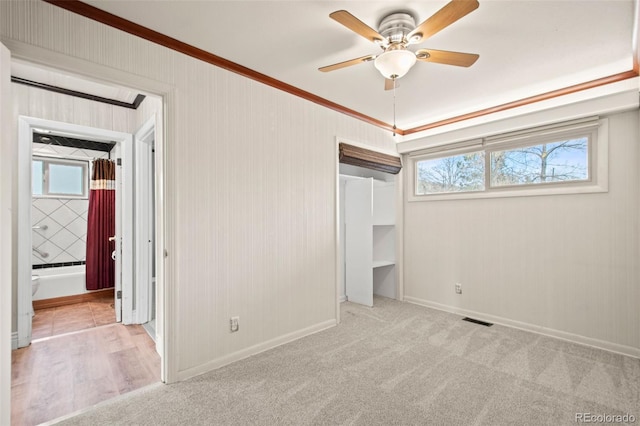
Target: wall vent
<point>475,321</point>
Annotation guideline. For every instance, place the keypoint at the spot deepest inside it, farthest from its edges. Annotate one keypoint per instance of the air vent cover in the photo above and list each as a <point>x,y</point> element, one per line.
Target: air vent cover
<point>475,321</point>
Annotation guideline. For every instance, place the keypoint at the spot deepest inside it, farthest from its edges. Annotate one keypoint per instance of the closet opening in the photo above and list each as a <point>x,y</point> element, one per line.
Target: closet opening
<point>369,206</point>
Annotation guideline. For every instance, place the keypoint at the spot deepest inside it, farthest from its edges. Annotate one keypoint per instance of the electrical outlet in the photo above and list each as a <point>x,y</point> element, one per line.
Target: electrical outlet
<point>458,288</point>
<point>235,324</point>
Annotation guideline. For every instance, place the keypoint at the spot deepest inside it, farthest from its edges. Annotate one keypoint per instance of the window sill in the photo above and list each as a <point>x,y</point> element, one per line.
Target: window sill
<point>504,193</point>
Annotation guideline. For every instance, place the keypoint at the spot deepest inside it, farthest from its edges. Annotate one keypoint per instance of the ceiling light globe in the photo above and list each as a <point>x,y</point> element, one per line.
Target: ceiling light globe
<point>395,63</point>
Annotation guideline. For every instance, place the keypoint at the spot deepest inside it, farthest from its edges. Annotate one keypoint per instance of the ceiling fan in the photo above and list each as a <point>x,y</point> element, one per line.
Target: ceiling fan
<point>397,31</point>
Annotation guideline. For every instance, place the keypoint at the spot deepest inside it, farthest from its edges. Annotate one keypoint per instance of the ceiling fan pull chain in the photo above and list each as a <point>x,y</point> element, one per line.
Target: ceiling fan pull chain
<point>394,106</point>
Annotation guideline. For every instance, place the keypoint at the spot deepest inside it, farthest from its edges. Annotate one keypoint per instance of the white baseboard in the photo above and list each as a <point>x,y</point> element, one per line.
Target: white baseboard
<point>570,337</point>
<point>254,350</point>
<point>14,340</point>
<point>342,298</point>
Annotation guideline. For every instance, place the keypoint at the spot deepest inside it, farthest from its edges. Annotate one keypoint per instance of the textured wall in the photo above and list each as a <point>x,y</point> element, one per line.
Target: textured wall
<point>564,263</point>
<point>250,190</point>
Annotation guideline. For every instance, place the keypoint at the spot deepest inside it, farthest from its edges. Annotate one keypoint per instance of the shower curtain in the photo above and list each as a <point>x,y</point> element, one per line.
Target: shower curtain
<point>101,225</point>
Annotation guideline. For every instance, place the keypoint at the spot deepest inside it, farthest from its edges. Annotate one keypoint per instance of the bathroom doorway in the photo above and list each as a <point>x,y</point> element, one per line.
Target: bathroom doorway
<point>64,234</point>
<point>48,223</point>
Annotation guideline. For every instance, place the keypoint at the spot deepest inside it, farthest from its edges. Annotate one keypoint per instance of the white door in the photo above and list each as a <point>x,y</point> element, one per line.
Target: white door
<point>6,166</point>
<point>123,256</point>
<point>358,218</point>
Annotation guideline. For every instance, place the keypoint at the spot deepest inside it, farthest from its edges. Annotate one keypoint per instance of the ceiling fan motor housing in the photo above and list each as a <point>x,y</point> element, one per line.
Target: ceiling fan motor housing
<point>398,30</point>
<point>395,27</point>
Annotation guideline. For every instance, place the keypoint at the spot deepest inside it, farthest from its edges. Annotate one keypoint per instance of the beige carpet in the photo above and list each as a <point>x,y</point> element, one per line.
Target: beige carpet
<point>396,364</point>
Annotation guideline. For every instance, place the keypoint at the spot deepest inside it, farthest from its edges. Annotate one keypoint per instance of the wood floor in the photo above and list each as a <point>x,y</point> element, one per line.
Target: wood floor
<point>59,374</point>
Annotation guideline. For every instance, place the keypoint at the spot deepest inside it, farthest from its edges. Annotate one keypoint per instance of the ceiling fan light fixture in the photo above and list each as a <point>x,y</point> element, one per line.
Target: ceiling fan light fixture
<point>395,63</point>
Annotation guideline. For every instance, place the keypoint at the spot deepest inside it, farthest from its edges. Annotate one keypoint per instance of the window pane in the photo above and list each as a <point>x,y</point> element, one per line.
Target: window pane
<point>458,173</point>
<point>65,179</point>
<point>36,177</point>
<point>550,162</point>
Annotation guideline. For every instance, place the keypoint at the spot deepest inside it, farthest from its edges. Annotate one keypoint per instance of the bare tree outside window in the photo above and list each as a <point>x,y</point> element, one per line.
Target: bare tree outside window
<point>563,158</point>
<point>549,162</point>
<point>458,173</point>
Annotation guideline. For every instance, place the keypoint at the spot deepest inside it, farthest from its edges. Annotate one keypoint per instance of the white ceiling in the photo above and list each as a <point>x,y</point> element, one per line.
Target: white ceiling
<point>526,48</point>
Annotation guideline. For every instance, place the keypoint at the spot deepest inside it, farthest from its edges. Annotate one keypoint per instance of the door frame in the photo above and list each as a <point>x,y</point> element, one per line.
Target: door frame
<point>165,211</point>
<point>7,145</point>
<point>144,209</point>
<point>26,127</point>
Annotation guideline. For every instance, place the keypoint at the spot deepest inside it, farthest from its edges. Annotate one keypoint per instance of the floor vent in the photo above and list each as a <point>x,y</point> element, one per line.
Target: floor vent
<point>475,321</point>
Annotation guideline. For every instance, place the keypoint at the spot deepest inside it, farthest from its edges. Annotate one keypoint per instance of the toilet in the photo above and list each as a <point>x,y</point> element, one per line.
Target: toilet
<point>35,285</point>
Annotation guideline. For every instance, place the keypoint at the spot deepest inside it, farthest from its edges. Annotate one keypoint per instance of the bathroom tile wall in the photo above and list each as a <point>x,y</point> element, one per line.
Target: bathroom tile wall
<point>64,239</point>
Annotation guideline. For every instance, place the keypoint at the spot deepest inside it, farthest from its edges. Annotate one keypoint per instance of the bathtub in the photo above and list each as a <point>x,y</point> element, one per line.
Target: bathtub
<point>59,282</point>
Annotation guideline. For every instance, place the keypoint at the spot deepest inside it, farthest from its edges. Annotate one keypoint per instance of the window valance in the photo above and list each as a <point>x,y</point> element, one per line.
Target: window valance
<point>356,156</point>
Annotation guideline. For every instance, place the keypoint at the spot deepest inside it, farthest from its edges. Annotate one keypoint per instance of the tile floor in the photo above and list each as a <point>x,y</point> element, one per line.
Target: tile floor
<point>65,319</point>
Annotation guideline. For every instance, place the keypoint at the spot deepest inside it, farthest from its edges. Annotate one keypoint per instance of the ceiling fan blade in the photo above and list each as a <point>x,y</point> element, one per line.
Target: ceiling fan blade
<point>446,16</point>
<point>388,84</point>
<point>347,63</point>
<point>446,57</point>
<point>356,25</point>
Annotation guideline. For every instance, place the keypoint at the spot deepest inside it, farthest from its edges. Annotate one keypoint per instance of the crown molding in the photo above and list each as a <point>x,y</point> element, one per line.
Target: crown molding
<point>527,101</point>
<point>148,34</point>
<point>91,12</point>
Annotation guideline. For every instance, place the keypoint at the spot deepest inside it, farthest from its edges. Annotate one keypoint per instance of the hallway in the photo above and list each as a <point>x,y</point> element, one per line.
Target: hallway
<point>58,375</point>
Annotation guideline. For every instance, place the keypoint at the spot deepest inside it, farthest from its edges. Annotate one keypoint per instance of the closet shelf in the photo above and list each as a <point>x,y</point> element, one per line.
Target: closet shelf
<point>381,263</point>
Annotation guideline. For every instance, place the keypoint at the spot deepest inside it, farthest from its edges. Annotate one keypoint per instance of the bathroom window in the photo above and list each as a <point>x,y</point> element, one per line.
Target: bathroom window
<point>61,178</point>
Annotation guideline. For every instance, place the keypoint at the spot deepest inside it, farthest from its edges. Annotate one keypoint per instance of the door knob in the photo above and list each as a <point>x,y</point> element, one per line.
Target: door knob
<point>113,255</point>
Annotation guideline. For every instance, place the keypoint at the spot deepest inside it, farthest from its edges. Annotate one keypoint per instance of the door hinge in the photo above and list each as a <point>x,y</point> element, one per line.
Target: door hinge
<point>119,294</point>
<point>119,161</point>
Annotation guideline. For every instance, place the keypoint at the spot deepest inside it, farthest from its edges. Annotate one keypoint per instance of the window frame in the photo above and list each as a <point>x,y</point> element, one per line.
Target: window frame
<point>447,154</point>
<point>597,159</point>
<point>47,161</point>
<point>591,142</point>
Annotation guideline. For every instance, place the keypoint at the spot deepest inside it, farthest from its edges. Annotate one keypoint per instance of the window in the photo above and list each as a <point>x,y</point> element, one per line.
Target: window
<point>456,173</point>
<point>53,177</point>
<point>565,158</point>
<point>560,161</point>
